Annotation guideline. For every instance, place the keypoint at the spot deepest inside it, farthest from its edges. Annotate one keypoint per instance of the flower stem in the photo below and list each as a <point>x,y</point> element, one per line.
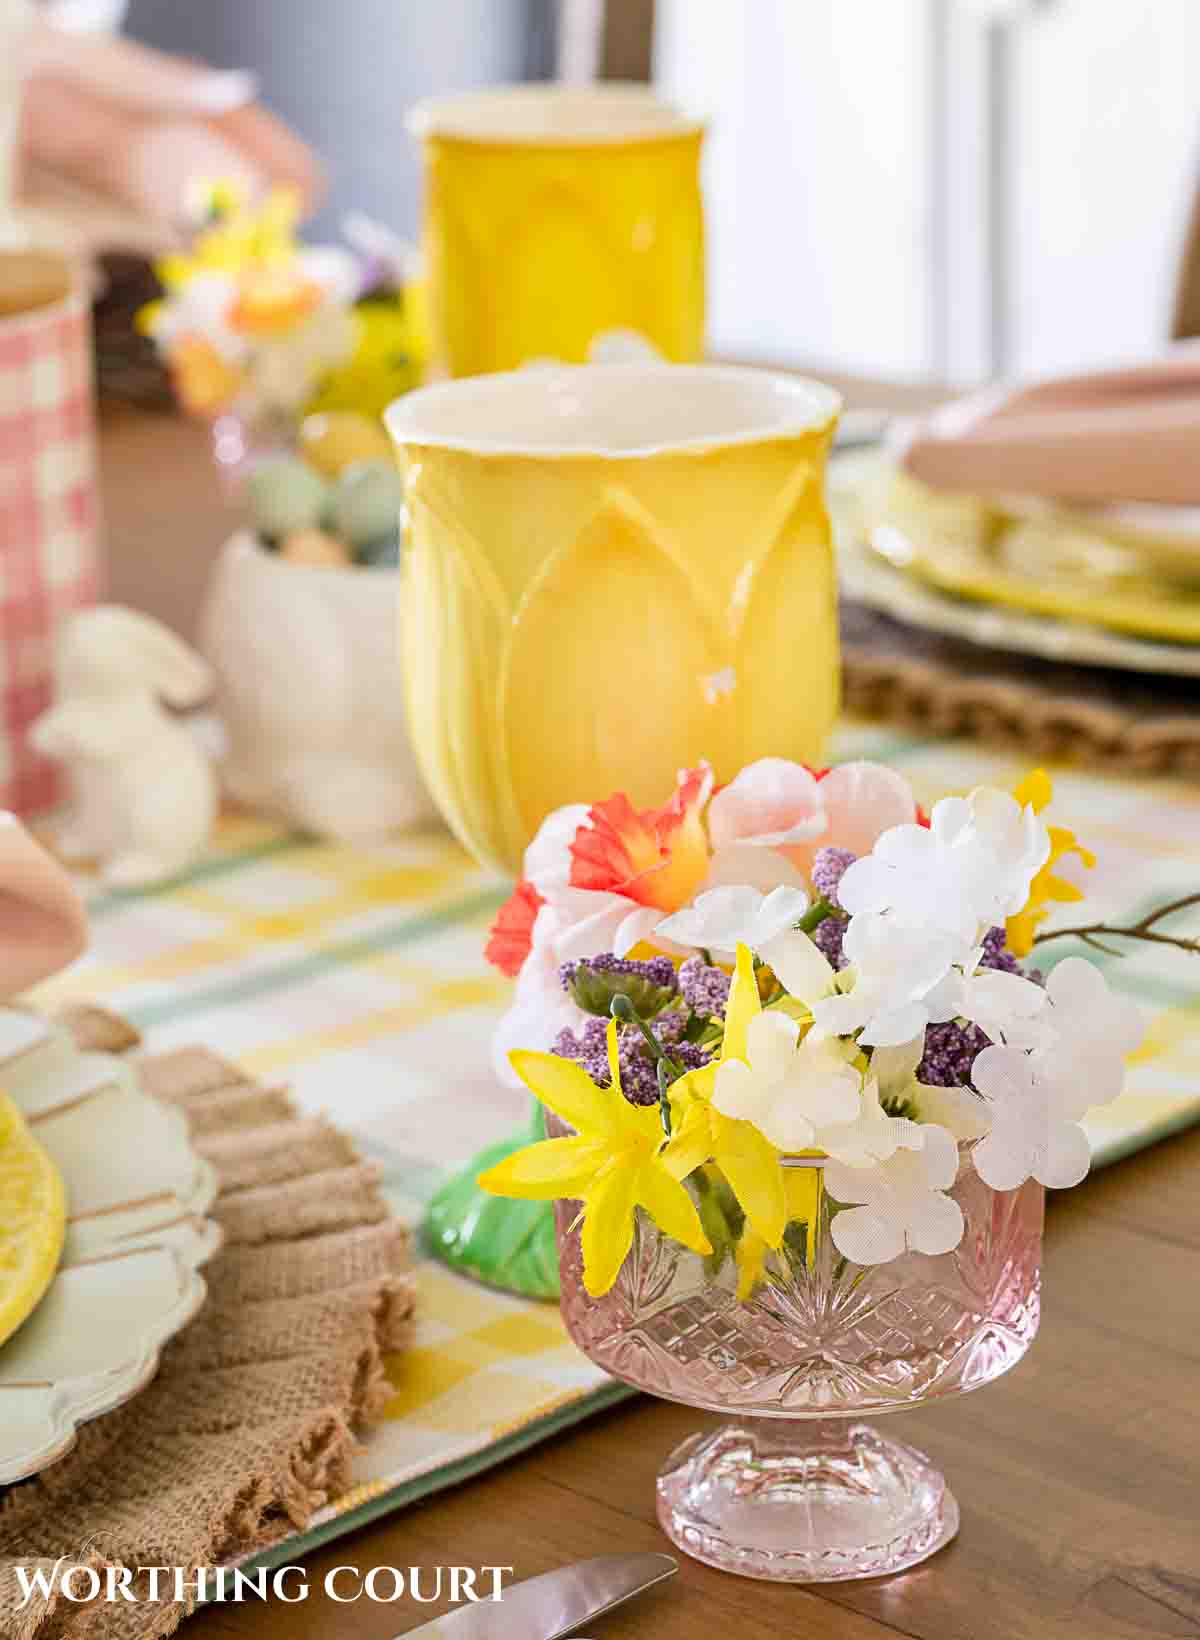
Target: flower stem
<point>817,913</point>
<point>621,1008</point>
<point>664,1097</point>
<point>816,1205</point>
<point>666,1069</point>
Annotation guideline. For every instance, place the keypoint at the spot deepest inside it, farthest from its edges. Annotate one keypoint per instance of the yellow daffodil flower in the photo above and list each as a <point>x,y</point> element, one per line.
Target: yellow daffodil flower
<point>802,1193</point>
<point>242,237</point>
<point>1047,887</point>
<point>613,1164</point>
<point>749,1161</point>
<point>389,357</point>
<point>147,317</point>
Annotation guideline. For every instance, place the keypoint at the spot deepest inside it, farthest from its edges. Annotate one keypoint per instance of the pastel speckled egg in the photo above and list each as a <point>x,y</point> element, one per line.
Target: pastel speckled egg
<point>364,503</point>
<point>381,554</point>
<point>335,440</point>
<point>315,550</point>
<point>283,495</point>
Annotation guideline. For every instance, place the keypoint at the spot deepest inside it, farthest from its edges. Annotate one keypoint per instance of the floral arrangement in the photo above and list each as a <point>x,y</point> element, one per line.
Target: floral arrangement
<point>252,322</point>
<point>800,965</point>
<point>292,352</point>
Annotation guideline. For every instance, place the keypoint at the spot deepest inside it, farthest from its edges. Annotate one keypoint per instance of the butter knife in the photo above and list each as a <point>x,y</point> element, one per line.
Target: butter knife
<point>555,1604</point>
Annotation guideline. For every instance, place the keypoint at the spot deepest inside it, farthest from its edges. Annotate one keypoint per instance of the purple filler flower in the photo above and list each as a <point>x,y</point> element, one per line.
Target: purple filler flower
<point>827,937</point>
<point>950,1052</point>
<point>704,989</point>
<point>997,955</point>
<point>587,1046</point>
<point>657,971</point>
<point>828,869</point>
<point>639,1079</point>
<point>639,1075</point>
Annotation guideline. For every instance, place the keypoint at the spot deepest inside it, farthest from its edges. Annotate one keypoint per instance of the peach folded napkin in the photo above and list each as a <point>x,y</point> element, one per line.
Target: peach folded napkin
<point>43,925</point>
<point>1115,436</point>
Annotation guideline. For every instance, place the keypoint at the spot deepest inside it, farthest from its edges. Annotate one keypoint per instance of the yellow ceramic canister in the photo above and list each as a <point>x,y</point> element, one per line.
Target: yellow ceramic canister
<point>611,572</point>
<point>558,218</point>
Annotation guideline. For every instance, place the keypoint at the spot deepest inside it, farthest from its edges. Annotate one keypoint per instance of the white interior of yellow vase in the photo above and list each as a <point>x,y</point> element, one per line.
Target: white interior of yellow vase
<point>567,115</point>
<point>614,411</point>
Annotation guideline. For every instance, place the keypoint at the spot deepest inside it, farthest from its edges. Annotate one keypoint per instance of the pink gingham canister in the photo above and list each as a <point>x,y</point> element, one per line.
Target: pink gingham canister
<point>49,523</point>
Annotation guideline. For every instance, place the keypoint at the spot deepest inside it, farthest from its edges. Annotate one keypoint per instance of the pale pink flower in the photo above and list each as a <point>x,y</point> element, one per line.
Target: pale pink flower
<point>785,809</point>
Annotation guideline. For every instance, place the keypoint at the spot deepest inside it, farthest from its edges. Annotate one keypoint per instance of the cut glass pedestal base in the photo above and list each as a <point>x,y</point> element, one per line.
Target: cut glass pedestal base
<point>804,1502</point>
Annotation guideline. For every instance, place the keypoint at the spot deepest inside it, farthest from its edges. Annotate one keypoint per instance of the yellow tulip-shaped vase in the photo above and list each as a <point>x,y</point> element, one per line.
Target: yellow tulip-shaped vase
<point>610,573</point>
<point>559,218</point>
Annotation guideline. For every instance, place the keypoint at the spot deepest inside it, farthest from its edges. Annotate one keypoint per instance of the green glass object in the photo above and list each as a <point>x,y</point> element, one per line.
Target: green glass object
<point>507,1244</point>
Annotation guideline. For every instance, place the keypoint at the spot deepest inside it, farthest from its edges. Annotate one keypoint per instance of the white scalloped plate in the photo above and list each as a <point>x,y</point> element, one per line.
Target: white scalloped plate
<point>137,1236</point>
<point>869,579</point>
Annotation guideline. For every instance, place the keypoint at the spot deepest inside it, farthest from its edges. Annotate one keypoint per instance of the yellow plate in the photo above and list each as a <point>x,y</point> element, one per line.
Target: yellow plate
<point>33,1218</point>
<point>1045,560</point>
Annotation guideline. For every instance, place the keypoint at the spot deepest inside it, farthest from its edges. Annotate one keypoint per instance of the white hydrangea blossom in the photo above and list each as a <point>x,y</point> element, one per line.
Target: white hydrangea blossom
<point>901,1203</point>
<point>1089,1031</point>
<point>1032,1134</point>
<point>968,869</point>
<point>1006,1007</point>
<point>919,905</point>
<point>1036,1098</point>
<point>895,986</point>
<point>723,918</point>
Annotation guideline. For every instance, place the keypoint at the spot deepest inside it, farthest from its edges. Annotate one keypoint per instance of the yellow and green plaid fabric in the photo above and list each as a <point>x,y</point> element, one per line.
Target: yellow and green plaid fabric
<point>357,976</point>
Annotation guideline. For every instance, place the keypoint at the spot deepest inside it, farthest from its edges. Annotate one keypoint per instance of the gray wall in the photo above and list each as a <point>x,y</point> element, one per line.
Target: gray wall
<point>343,72</point>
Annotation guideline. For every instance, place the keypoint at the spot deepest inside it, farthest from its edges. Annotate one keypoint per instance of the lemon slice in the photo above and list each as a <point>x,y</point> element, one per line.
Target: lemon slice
<point>33,1219</point>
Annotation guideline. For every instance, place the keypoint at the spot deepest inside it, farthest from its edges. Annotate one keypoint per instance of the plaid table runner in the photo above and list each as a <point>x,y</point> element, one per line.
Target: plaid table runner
<point>357,976</point>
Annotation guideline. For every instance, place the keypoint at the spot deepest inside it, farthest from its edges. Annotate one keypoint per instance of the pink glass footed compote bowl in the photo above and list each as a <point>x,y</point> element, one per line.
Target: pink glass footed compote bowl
<point>795,1487</point>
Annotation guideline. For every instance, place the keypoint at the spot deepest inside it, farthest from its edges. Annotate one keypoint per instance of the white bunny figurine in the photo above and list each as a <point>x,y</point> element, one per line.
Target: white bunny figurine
<point>145,793</point>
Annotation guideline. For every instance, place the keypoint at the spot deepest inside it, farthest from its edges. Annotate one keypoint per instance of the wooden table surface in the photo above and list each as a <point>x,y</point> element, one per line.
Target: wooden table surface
<point>1078,1474</point>
<point>165,516</point>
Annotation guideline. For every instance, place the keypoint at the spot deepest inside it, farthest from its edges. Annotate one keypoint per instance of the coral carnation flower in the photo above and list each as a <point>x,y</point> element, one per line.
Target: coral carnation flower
<point>511,936</point>
<point>272,303</point>
<point>657,858</point>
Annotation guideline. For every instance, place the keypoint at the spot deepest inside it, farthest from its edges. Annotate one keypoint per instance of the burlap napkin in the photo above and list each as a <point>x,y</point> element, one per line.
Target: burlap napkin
<point>1044,710</point>
<point>251,1422</point>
